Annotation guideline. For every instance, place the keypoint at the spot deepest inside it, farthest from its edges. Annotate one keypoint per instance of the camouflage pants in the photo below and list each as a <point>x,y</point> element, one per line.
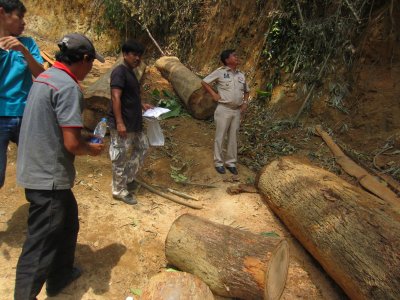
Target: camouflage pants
<point>127,156</point>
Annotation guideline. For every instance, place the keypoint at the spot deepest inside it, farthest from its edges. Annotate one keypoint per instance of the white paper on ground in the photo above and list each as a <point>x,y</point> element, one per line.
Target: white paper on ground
<point>155,112</point>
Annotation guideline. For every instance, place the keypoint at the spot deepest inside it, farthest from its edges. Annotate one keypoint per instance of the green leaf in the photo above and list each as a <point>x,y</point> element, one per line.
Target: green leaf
<point>270,233</point>
<point>156,93</point>
<point>137,292</point>
<point>171,270</point>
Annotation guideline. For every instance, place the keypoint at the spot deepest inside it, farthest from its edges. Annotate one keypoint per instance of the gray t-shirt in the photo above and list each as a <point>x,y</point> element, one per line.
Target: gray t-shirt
<point>55,101</point>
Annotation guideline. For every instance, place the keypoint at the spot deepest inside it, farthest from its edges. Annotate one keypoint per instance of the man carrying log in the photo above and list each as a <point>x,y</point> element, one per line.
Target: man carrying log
<point>232,98</point>
<point>19,60</point>
<point>128,144</point>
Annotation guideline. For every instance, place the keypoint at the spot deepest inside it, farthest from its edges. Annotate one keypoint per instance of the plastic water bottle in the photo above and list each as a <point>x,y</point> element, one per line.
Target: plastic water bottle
<point>99,132</point>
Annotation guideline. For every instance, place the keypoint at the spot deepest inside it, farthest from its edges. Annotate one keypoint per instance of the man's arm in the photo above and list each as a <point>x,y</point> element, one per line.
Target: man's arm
<point>75,144</point>
<point>216,97</point>
<point>10,42</point>
<point>116,107</point>
<point>243,107</point>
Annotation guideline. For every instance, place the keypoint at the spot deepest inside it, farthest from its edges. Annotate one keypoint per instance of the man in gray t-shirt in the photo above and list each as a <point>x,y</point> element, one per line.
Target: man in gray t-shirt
<point>49,140</point>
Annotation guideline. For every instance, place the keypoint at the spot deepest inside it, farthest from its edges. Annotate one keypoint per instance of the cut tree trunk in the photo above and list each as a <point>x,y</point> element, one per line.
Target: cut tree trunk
<point>98,96</point>
<point>232,262</point>
<point>188,86</point>
<point>176,286</point>
<point>354,235</point>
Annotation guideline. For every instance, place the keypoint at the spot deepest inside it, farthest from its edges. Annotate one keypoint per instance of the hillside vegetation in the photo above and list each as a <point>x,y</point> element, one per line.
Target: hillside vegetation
<point>334,63</point>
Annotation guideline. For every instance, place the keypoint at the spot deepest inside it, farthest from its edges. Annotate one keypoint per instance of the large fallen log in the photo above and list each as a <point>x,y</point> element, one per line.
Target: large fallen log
<point>232,262</point>
<point>176,286</point>
<point>98,96</point>
<point>353,234</point>
<point>188,86</point>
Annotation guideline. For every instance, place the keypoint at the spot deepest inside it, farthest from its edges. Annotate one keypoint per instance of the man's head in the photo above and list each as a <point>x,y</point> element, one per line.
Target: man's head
<point>132,52</point>
<point>78,51</point>
<point>12,14</point>
<point>229,57</point>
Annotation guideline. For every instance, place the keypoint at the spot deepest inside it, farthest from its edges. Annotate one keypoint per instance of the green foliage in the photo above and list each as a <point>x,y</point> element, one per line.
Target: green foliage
<point>177,175</point>
<point>269,234</point>
<point>113,15</point>
<point>175,19</point>
<point>309,40</point>
<point>136,292</point>
<point>167,100</point>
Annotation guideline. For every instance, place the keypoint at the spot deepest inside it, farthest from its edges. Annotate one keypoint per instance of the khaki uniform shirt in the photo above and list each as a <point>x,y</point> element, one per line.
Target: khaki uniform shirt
<point>231,86</point>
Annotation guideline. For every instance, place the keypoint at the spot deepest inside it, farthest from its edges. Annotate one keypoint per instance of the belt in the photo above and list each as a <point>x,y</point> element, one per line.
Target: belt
<point>229,105</point>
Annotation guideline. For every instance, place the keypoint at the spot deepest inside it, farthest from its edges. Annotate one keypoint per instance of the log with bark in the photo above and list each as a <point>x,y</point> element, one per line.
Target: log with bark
<point>98,96</point>
<point>176,286</point>
<point>368,181</point>
<point>232,262</point>
<point>353,234</point>
<point>188,87</point>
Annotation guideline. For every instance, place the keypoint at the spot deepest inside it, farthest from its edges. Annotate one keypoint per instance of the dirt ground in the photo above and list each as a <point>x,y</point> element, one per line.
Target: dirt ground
<point>121,247</point>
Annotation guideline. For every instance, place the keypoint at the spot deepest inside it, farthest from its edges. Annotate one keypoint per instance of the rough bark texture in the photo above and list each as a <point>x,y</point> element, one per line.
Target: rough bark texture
<point>354,235</point>
<point>176,286</point>
<point>188,86</point>
<point>98,96</point>
<point>232,262</point>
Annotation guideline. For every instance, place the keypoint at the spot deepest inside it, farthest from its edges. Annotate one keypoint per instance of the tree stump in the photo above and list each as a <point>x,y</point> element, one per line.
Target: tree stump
<point>232,262</point>
<point>188,86</point>
<point>354,235</point>
<point>176,286</point>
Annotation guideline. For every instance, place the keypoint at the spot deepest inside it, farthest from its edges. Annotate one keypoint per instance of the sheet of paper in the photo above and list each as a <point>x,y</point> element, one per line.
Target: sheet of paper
<point>155,112</point>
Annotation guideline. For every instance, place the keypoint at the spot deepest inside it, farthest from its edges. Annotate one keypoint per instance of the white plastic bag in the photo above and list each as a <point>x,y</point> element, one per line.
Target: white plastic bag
<point>154,132</point>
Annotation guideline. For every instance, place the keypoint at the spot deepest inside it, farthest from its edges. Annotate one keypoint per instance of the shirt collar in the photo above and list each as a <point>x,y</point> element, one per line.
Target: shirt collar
<point>229,69</point>
<point>61,66</point>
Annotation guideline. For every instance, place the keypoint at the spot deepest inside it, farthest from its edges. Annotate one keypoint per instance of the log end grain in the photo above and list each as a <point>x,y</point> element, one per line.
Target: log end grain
<point>277,272</point>
<point>200,105</point>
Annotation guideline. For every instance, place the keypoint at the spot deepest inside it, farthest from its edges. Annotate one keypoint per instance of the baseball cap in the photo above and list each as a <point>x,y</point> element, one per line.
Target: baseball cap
<point>79,43</point>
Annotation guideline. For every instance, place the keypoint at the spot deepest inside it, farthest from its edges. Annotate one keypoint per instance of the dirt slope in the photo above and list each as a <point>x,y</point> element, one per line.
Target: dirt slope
<point>120,247</point>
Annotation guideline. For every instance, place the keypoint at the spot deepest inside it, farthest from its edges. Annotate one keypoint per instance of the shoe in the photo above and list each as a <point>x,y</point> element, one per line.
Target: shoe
<point>233,170</point>
<point>132,186</point>
<point>52,291</point>
<point>220,169</point>
<point>128,199</point>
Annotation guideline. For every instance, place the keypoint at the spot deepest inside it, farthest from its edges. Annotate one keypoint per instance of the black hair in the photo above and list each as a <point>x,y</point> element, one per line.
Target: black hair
<point>225,55</point>
<point>70,57</point>
<point>132,46</point>
<point>11,5</point>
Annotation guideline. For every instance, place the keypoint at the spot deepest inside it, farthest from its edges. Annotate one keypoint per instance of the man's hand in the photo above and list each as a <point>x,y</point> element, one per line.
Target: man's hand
<point>146,106</point>
<point>216,97</point>
<point>243,107</point>
<point>95,149</point>
<point>121,130</point>
<point>12,43</point>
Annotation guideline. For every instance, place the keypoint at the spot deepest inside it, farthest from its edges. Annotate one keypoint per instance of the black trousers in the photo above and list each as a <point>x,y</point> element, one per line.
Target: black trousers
<point>49,249</point>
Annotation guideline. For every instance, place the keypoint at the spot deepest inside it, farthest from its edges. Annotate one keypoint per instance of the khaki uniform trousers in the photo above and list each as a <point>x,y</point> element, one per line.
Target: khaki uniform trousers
<point>127,156</point>
<point>227,122</point>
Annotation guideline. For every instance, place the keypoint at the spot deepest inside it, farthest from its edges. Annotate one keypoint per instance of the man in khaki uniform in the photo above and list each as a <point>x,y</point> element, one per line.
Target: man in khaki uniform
<point>232,98</point>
